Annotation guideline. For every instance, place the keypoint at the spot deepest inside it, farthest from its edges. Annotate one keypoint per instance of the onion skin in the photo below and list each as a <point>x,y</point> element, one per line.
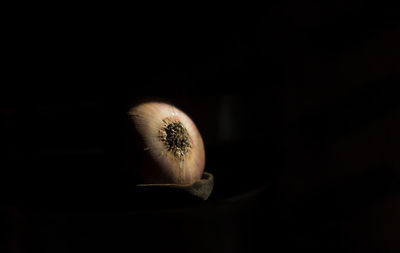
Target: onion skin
<point>161,166</point>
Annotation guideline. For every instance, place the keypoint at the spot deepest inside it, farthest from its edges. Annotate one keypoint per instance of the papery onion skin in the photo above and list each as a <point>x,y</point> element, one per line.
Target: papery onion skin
<point>165,164</point>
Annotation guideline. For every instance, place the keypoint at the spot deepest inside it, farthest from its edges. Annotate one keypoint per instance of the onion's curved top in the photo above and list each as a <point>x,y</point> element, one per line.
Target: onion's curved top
<point>172,142</point>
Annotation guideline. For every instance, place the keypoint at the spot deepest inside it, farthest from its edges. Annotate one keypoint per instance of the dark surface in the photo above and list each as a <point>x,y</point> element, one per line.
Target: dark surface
<point>296,102</point>
<point>161,193</point>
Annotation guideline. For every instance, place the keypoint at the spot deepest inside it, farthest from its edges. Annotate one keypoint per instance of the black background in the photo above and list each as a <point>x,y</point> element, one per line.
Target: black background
<point>296,103</point>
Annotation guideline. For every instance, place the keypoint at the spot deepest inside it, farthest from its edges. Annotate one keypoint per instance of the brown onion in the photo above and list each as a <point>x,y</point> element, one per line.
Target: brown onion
<point>171,143</point>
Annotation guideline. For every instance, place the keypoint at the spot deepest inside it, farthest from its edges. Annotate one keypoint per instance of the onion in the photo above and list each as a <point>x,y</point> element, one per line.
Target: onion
<point>173,147</point>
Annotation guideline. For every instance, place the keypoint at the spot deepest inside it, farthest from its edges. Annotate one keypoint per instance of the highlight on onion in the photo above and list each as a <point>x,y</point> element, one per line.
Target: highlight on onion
<point>172,146</point>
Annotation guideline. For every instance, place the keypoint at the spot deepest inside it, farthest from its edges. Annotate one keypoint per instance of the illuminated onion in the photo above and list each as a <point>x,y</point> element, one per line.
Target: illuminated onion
<point>171,143</point>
